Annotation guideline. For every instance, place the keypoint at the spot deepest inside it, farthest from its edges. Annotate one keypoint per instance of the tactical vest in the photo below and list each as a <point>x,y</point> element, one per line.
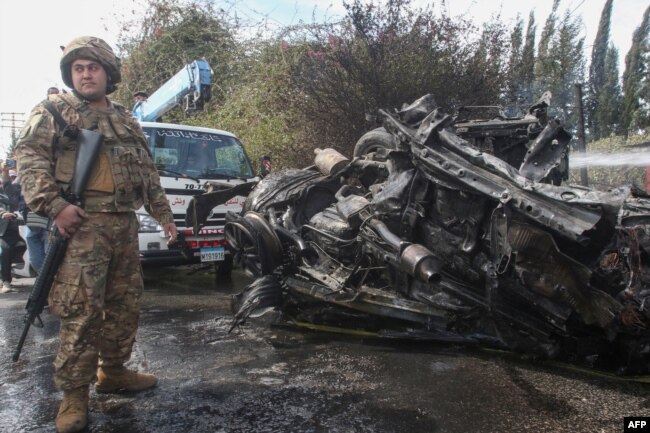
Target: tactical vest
<point>120,180</point>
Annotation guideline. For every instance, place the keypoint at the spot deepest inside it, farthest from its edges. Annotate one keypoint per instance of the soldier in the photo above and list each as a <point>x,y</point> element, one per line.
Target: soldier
<point>96,291</point>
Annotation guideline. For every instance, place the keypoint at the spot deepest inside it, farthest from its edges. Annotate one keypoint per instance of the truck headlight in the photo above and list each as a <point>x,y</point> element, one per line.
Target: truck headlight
<point>148,224</point>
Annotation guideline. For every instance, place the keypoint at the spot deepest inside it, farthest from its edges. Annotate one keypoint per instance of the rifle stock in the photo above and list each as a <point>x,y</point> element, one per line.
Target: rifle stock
<point>89,144</point>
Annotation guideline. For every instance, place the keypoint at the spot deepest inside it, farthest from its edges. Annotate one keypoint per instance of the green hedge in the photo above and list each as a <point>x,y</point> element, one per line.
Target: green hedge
<point>604,178</point>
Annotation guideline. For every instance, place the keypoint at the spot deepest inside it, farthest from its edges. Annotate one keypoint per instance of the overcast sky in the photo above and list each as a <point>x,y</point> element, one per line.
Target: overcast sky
<point>31,32</point>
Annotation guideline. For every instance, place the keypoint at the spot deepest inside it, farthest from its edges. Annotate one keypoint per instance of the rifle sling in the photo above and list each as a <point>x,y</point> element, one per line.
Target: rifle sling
<point>70,131</point>
<point>55,113</point>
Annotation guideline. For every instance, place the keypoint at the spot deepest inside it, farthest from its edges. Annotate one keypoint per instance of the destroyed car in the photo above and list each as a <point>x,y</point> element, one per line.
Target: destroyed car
<point>455,230</point>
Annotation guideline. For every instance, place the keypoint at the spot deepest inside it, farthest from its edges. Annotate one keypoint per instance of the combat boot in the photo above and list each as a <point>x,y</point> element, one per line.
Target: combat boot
<point>119,378</point>
<point>73,412</point>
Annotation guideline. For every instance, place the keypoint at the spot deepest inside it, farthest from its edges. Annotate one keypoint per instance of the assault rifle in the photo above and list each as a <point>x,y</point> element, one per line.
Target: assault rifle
<point>88,145</point>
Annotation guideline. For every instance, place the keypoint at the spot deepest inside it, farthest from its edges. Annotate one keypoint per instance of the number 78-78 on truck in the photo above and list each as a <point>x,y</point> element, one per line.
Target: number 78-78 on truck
<point>188,159</point>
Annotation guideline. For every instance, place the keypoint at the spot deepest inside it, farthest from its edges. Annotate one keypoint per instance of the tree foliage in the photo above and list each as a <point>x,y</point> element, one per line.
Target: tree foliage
<point>288,91</point>
<point>544,62</point>
<point>383,55</point>
<point>634,114</point>
<point>597,73</point>
<point>560,63</point>
<point>171,35</point>
<point>521,67</point>
<point>513,85</point>
<point>262,110</point>
<point>528,62</point>
<point>607,115</point>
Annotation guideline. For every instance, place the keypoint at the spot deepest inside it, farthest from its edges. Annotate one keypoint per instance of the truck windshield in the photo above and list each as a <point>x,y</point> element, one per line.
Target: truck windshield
<point>198,154</point>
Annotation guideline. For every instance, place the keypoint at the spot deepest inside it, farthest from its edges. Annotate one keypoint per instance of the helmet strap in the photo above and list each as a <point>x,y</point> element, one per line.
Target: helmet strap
<point>110,87</point>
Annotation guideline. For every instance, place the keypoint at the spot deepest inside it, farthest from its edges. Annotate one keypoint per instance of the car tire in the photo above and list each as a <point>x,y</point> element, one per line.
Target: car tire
<point>374,140</point>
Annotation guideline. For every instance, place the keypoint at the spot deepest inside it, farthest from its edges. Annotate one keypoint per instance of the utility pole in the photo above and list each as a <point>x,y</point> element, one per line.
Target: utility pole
<point>14,122</point>
<point>582,145</point>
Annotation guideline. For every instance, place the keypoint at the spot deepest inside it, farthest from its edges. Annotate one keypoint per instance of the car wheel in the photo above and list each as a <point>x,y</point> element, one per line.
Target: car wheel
<point>373,141</point>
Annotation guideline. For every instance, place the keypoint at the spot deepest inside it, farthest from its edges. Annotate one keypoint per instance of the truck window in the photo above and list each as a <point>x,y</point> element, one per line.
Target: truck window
<point>198,154</point>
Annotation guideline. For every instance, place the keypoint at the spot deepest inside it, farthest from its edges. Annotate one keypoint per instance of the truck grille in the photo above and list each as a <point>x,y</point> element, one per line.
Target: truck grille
<point>217,219</point>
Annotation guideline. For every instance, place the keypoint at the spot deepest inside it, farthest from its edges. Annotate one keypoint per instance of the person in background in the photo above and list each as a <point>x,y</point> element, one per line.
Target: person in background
<point>10,219</point>
<point>96,291</point>
<point>37,237</point>
<point>140,96</point>
<point>10,187</point>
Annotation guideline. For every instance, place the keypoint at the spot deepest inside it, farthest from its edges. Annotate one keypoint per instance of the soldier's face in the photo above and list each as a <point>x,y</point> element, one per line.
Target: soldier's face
<point>89,79</point>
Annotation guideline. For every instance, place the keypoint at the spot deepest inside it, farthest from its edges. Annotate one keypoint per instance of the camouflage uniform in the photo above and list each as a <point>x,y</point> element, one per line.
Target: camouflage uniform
<point>97,289</point>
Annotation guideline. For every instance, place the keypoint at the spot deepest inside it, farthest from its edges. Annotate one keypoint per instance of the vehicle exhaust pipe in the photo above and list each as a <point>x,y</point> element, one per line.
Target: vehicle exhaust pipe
<point>330,161</point>
<point>418,261</point>
<point>415,259</point>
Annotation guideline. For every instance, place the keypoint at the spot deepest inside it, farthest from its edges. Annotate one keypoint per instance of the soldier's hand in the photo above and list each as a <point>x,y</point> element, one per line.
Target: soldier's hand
<point>9,215</point>
<point>69,220</point>
<point>170,230</point>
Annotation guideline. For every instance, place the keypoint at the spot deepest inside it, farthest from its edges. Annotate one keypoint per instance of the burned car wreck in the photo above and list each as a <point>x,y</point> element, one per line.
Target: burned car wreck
<point>452,230</point>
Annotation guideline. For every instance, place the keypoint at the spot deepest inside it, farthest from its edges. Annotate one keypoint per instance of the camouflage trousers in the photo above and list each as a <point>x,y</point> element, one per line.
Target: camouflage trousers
<point>96,295</point>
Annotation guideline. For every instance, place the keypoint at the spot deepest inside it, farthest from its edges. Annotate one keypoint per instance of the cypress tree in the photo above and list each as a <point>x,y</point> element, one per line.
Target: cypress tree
<point>543,63</point>
<point>643,113</point>
<point>635,69</point>
<point>528,61</point>
<point>560,63</point>
<point>514,83</point>
<point>597,70</point>
<point>568,59</point>
<point>608,115</point>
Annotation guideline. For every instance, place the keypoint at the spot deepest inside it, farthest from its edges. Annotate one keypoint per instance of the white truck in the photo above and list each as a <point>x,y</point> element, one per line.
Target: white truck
<point>188,158</point>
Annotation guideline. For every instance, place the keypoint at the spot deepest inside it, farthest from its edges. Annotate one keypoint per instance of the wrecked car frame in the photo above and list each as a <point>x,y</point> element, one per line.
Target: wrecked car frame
<point>430,231</point>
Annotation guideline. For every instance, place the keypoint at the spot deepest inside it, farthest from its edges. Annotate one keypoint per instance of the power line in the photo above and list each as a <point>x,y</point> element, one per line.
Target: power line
<point>576,8</point>
<point>14,122</point>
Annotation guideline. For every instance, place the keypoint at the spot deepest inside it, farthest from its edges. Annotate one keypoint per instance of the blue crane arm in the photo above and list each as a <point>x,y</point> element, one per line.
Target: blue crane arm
<point>190,86</point>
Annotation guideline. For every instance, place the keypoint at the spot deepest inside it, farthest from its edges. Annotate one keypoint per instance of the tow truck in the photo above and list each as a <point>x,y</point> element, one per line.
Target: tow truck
<point>190,161</point>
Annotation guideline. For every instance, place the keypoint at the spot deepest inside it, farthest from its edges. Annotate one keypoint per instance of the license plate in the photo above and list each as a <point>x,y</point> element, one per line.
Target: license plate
<point>216,254</point>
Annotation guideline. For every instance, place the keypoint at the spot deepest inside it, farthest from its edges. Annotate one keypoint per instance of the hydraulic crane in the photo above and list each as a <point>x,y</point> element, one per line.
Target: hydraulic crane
<point>190,87</point>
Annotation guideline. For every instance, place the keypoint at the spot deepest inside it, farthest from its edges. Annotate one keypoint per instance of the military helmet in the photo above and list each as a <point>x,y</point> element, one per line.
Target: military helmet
<point>91,48</point>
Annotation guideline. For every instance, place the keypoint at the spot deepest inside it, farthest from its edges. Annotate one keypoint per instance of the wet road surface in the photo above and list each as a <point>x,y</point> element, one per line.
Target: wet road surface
<point>264,378</point>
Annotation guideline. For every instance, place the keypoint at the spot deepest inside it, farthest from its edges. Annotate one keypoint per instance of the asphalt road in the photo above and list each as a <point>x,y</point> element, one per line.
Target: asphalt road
<point>263,378</point>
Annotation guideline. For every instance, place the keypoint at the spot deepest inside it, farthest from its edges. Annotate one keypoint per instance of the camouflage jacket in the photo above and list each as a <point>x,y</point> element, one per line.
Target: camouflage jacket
<point>123,178</point>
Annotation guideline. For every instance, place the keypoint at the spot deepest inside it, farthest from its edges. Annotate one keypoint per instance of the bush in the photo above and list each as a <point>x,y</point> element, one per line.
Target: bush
<point>611,173</point>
